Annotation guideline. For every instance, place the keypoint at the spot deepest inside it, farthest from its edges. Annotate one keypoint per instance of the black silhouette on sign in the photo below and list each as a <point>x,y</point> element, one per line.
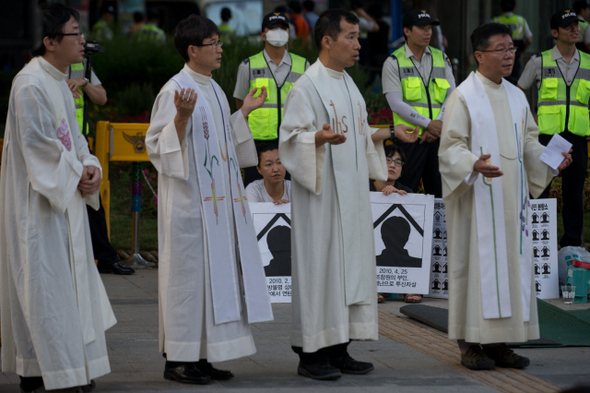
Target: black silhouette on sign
<point>535,252</point>
<point>545,234</point>
<point>545,218</point>
<point>535,218</point>
<point>444,252</point>
<point>436,251</point>
<point>445,268</point>
<point>546,269</point>
<point>535,235</point>
<point>537,269</point>
<point>445,285</point>
<point>437,234</point>
<point>395,233</point>
<point>537,286</point>
<point>545,252</point>
<point>436,267</point>
<point>279,244</point>
<point>435,284</point>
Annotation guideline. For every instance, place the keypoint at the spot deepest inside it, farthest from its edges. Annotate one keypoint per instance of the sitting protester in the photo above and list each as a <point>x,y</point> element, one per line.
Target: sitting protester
<point>395,161</point>
<point>272,187</point>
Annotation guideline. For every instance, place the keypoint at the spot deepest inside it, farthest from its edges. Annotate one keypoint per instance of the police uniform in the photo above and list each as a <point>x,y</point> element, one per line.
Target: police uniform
<point>564,91</point>
<point>424,86</point>
<point>584,35</point>
<point>76,71</point>
<point>257,71</point>
<point>520,33</point>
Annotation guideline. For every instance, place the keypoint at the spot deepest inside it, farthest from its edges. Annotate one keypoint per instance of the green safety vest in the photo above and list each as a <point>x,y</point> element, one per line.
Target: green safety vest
<point>426,101</point>
<point>515,23</point>
<point>562,107</point>
<point>150,33</point>
<point>80,101</point>
<point>583,27</point>
<point>265,121</point>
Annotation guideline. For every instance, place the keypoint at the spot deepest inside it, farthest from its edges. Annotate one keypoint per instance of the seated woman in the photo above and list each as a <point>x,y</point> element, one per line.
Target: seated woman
<point>395,161</point>
<point>272,187</point>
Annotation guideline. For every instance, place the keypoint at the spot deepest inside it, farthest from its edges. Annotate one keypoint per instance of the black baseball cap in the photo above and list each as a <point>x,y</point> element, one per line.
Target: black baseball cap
<point>418,18</point>
<point>274,17</point>
<point>563,18</point>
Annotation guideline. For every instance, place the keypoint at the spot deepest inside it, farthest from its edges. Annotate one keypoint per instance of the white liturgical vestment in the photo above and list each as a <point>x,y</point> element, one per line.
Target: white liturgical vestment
<point>333,251</point>
<point>204,314</point>
<point>54,305</point>
<point>518,157</point>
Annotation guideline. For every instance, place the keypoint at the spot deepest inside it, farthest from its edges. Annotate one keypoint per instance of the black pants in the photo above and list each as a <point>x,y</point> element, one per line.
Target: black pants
<point>572,189</point>
<point>421,163</point>
<point>323,354</point>
<point>103,250</point>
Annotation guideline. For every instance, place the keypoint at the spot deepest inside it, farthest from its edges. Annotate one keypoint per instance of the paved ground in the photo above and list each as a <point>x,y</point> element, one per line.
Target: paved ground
<point>409,357</point>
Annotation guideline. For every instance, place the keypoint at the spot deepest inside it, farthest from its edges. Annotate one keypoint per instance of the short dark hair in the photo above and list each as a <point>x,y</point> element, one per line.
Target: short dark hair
<point>138,16</point>
<point>309,5</point>
<point>480,38</point>
<point>507,5</point>
<point>294,6</point>
<point>328,24</point>
<point>55,16</point>
<point>225,14</point>
<point>390,151</point>
<point>193,31</point>
<point>579,5</point>
<point>270,146</point>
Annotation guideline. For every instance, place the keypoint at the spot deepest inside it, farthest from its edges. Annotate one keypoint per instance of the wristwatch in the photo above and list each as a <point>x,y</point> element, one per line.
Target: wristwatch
<point>85,82</point>
<point>392,132</point>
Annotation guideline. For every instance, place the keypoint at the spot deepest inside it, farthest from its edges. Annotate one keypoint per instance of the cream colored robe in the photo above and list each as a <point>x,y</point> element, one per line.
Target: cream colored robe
<point>187,329</point>
<point>54,308</point>
<point>321,316</point>
<point>456,164</point>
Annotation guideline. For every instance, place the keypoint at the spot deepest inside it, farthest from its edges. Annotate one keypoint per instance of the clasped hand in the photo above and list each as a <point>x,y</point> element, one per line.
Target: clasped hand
<point>89,183</point>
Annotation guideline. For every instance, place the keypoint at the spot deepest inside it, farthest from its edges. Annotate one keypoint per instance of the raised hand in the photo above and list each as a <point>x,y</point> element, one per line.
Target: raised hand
<point>325,135</point>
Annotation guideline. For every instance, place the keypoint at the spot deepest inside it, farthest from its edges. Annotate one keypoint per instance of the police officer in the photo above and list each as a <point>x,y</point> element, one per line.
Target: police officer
<point>582,9</point>
<point>104,253</point>
<point>521,34</point>
<point>417,79</point>
<point>150,30</point>
<point>562,76</point>
<point>277,70</point>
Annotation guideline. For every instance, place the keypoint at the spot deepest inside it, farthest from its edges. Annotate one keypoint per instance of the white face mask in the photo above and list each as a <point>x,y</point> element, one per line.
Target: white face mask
<point>277,37</point>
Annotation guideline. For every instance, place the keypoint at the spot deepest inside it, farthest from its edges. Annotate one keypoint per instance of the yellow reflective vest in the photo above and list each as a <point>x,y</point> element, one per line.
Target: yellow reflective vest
<point>426,101</point>
<point>265,121</point>
<point>562,107</point>
<point>514,22</point>
<point>79,101</point>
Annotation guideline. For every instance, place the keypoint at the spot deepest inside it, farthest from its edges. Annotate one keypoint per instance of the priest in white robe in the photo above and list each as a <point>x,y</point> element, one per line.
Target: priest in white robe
<point>211,276</point>
<point>489,162</point>
<point>54,308</point>
<point>330,151</point>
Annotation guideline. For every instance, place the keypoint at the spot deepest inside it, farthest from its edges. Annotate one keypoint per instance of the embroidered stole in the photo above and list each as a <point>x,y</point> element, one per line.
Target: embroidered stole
<point>347,116</point>
<point>216,201</point>
<point>489,201</point>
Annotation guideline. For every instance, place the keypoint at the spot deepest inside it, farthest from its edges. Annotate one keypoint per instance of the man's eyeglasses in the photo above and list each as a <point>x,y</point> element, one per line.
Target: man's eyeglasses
<point>77,35</point>
<point>214,45</point>
<point>512,50</point>
<point>390,161</point>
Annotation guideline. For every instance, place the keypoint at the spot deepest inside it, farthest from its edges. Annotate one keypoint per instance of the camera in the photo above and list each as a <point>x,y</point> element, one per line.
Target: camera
<point>92,47</point>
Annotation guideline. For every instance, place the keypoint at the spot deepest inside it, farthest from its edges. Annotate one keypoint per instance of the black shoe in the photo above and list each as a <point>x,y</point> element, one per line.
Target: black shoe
<point>347,365</point>
<point>215,374</point>
<point>505,357</point>
<point>476,359</point>
<point>320,371</point>
<point>186,373</point>
<point>114,267</point>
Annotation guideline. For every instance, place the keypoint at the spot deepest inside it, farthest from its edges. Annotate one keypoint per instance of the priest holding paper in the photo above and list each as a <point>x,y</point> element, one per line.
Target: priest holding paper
<point>330,150</point>
<point>211,276</point>
<point>54,307</point>
<point>489,162</point>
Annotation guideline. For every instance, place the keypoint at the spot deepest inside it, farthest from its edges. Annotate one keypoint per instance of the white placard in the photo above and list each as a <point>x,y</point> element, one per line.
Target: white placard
<point>403,241</point>
<point>544,228</point>
<point>439,279</point>
<point>273,231</point>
